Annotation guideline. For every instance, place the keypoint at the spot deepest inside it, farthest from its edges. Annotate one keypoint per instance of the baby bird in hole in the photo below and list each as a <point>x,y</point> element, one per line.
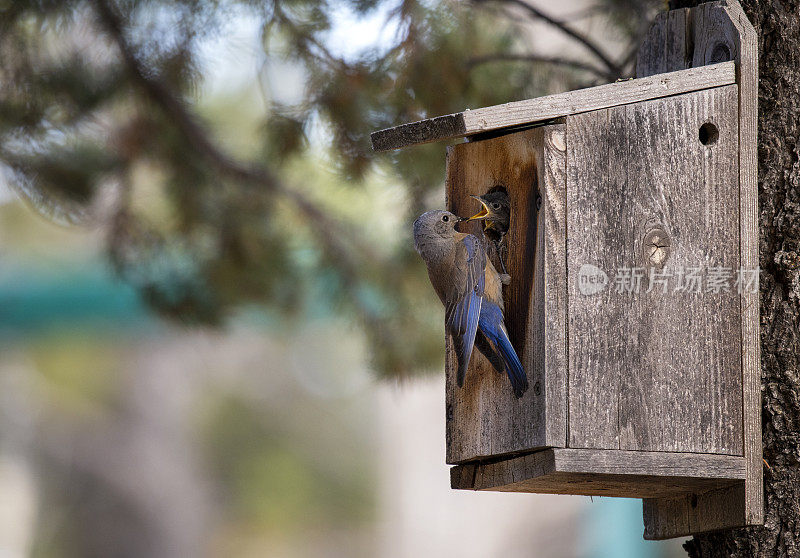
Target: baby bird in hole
<point>496,216</point>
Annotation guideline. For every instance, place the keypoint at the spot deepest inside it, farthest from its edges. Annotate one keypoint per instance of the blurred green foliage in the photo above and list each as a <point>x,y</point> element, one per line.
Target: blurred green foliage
<point>257,457</point>
<point>100,122</point>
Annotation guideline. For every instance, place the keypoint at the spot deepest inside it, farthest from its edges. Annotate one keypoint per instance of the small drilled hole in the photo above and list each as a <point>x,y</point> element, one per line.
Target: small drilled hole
<point>709,134</point>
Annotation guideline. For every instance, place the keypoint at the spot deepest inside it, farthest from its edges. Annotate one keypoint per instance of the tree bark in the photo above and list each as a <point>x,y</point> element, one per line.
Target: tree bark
<point>778,25</point>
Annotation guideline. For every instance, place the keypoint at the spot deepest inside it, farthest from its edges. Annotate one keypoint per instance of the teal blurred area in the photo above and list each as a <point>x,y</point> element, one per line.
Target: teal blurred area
<point>124,435</point>
<point>613,528</point>
<point>37,301</point>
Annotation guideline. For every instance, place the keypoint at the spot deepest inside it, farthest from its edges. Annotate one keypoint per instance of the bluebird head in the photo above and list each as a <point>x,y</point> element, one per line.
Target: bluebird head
<point>434,226</point>
<point>437,222</point>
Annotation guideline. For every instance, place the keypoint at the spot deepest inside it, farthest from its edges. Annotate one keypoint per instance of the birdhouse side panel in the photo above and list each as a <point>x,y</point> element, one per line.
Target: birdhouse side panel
<point>484,418</point>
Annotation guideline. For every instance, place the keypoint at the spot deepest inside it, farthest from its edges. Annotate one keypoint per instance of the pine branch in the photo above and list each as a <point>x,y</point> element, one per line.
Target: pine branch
<point>195,136</point>
<point>613,68</point>
<point>535,58</point>
<point>328,233</point>
<point>307,39</point>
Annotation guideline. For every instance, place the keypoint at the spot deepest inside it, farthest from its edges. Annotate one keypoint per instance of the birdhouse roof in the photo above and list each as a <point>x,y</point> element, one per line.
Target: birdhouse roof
<point>543,109</point>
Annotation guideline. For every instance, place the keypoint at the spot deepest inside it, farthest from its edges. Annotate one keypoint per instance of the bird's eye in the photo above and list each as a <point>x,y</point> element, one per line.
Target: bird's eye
<point>495,206</point>
<point>445,218</point>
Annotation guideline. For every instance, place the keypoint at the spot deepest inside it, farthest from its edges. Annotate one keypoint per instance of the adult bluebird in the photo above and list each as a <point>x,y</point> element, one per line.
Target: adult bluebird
<point>471,290</point>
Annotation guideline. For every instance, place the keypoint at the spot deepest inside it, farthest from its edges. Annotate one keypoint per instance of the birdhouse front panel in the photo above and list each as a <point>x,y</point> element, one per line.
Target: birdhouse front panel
<point>654,276</point>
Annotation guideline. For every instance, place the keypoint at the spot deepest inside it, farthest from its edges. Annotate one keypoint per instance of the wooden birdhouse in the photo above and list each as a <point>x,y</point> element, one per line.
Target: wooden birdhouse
<point>633,301</point>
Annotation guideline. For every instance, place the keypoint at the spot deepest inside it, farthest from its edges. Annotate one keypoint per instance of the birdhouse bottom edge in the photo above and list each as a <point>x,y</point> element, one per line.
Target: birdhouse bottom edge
<point>706,484</point>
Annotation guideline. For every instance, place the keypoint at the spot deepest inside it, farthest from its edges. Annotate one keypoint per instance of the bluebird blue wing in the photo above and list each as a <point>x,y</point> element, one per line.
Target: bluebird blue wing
<point>463,307</point>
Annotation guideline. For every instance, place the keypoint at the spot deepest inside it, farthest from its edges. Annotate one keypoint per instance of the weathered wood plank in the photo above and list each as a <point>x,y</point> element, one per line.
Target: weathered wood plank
<point>597,327</point>
<point>678,48</point>
<point>721,31</point>
<point>747,58</point>
<point>602,472</point>
<point>668,464</point>
<point>667,47</point>
<point>748,215</point>
<point>484,418</point>
<point>553,106</point>
<point>654,369</point>
<point>666,517</point>
<point>696,512</point>
<point>713,34</point>
<point>682,391</point>
<point>448,126</point>
<point>650,58</point>
<point>552,298</point>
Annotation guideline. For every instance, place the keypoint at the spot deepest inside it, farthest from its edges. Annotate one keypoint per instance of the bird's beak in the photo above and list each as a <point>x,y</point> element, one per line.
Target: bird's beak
<point>484,212</point>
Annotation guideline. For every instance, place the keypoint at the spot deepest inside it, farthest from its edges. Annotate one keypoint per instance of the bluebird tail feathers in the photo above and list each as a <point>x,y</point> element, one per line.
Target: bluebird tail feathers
<point>491,325</point>
<point>516,374</point>
<point>483,345</point>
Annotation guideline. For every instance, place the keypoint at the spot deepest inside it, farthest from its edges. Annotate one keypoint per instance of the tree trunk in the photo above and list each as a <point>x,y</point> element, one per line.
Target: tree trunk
<point>778,25</point>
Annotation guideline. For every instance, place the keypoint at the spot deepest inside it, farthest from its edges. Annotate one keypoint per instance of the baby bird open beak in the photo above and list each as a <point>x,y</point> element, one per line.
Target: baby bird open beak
<point>484,212</point>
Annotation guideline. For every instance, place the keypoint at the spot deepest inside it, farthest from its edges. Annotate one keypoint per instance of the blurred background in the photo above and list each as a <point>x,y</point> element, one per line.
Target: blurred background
<point>215,337</point>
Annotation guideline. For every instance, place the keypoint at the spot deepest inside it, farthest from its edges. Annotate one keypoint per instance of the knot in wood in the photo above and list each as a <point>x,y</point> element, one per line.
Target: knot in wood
<point>656,247</point>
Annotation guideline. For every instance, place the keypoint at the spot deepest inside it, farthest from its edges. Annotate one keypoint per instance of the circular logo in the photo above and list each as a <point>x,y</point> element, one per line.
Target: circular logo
<point>591,279</point>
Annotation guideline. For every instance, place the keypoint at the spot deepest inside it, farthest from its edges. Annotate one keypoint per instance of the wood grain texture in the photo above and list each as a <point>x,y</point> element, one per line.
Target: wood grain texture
<point>597,326</point>
<point>747,58</point>
<point>654,371</point>
<point>695,512</point>
<point>686,392</point>
<point>666,517</point>
<point>651,57</point>
<point>710,33</point>
<point>484,418</point>
<point>678,48</point>
<point>602,473</point>
<point>667,47</point>
<point>448,126</point>
<point>552,298</point>
<point>552,106</point>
